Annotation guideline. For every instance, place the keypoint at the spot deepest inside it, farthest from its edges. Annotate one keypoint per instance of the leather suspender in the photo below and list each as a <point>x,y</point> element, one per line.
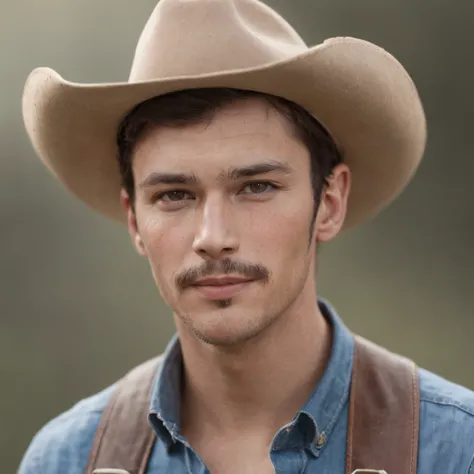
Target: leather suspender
<point>382,427</point>
<point>384,410</point>
<point>124,438</point>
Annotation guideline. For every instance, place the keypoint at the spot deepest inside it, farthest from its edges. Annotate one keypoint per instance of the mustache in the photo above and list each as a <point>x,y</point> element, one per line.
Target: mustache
<point>221,267</point>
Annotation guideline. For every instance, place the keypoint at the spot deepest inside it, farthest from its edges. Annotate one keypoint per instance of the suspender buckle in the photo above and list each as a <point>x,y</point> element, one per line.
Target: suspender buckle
<point>109,471</point>
<point>369,471</point>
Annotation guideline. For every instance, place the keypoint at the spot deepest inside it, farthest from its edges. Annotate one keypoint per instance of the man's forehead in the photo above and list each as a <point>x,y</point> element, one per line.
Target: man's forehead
<point>249,122</point>
<point>218,157</point>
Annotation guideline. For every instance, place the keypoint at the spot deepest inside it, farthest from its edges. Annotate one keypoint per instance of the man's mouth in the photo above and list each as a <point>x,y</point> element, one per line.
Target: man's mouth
<point>220,288</point>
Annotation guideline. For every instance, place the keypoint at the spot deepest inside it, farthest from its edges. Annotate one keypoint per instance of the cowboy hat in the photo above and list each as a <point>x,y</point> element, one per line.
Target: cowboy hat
<point>360,93</point>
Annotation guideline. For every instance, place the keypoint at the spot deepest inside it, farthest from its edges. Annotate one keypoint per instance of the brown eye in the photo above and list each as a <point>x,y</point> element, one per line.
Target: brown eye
<point>259,187</point>
<point>173,196</point>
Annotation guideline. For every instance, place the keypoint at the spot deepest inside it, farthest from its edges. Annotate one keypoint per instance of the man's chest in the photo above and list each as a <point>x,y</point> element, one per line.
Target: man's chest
<point>232,459</point>
<point>439,453</point>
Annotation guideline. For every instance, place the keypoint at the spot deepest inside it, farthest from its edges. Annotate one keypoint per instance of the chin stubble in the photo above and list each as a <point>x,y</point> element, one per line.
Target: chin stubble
<point>224,303</point>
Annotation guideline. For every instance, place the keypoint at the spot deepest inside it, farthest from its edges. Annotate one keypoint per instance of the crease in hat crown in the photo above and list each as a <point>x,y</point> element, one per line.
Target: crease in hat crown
<point>194,37</point>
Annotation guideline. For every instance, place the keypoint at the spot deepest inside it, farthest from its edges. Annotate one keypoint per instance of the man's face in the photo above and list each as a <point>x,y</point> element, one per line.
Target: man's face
<point>223,212</point>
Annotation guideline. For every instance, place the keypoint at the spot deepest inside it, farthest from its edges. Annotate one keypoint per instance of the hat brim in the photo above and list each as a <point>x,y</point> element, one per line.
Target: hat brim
<point>358,91</point>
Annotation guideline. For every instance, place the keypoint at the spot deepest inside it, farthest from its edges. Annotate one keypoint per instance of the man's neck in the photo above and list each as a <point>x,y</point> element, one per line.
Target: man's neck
<point>259,386</point>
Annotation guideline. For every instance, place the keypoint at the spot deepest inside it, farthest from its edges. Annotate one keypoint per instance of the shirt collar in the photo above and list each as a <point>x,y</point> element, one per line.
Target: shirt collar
<point>313,424</point>
<point>164,414</point>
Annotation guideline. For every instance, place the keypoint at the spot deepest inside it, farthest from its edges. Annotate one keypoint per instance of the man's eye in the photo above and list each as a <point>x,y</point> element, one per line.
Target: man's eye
<point>259,187</point>
<point>173,196</point>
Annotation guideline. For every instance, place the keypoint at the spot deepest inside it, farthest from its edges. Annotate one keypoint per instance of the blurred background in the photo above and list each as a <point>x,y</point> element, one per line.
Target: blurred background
<point>79,307</point>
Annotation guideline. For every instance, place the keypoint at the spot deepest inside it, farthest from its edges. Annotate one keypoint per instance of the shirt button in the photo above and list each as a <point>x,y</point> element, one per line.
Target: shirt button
<point>321,439</point>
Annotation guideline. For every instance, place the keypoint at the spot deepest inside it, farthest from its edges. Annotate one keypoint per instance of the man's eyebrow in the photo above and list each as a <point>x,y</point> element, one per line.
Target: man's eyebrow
<point>233,174</point>
<point>155,178</point>
<point>255,169</point>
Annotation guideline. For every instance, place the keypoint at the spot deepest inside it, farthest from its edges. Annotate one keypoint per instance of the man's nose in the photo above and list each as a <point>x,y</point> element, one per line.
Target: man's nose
<point>216,235</point>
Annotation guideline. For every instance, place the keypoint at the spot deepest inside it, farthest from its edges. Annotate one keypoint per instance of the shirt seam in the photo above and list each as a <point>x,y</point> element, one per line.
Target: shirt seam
<point>450,404</point>
<point>69,418</point>
<point>95,411</point>
<point>470,469</point>
<point>327,430</point>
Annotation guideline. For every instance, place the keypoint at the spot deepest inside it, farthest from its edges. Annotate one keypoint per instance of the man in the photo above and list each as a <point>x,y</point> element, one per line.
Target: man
<point>240,151</point>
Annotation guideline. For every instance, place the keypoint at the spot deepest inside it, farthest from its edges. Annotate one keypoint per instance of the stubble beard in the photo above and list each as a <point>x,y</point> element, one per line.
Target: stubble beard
<point>228,341</point>
<point>244,336</point>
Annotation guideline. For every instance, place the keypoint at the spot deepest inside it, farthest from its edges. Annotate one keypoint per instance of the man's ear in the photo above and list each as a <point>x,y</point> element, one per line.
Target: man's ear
<point>333,205</point>
<point>132,223</point>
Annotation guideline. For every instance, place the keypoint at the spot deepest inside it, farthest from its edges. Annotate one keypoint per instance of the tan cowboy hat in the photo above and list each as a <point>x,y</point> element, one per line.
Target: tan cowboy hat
<point>359,92</point>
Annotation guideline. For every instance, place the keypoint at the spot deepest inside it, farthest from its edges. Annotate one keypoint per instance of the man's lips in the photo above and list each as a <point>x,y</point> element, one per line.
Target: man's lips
<point>218,288</point>
<point>221,281</point>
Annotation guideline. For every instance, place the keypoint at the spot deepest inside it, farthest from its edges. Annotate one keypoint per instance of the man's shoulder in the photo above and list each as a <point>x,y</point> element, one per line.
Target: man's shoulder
<point>438,391</point>
<point>63,444</point>
<point>446,441</point>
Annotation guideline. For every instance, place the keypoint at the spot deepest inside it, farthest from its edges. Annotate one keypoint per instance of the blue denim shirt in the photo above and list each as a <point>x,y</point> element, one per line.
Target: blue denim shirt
<point>446,440</point>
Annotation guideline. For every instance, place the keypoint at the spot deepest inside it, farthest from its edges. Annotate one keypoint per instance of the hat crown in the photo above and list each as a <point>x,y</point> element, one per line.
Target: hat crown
<point>195,37</point>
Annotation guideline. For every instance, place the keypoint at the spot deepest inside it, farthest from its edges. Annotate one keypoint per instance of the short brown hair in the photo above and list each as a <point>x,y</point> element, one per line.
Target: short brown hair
<point>191,106</point>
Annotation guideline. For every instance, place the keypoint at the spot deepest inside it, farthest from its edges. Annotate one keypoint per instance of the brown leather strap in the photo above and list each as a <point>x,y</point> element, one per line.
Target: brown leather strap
<point>124,438</point>
<point>383,417</point>
<point>384,411</point>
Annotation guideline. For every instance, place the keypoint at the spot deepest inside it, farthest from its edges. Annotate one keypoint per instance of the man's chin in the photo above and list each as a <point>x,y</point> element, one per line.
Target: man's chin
<point>221,339</point>
<point>228,330</point>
